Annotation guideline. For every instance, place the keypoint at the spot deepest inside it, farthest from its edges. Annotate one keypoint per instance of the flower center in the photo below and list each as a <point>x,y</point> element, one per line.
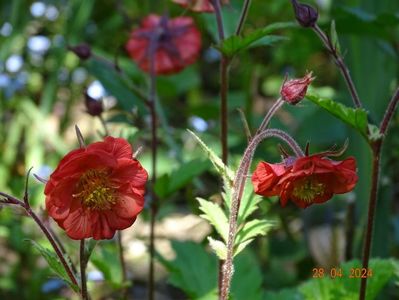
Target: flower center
<point>308,188</point>
<point>94,190</point>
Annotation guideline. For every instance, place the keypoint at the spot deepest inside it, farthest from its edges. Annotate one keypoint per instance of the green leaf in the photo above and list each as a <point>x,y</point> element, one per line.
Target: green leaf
<point>54,263</point>
<point>374,133</point>
<point>347,288</point>
<point>193,270</point>
<point>169,184</point>
<point>216,216</point>
<point>249,202</point>
<point>114,84</point>
<point>285,294</point>
<point>221,168</point>
<point>252,229</point>
<point>218,247</point>
<point>260,37</point>
<point>356,118</point>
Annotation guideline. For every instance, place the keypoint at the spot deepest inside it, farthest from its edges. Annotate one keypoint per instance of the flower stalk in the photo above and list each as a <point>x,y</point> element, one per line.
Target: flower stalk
<point>376,148</point>
<point>239,185</point>
<point>83,265</point>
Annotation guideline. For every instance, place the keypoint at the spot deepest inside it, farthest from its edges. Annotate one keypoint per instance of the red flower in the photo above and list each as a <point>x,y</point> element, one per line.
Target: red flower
<point>97,190</point>
<point>171,44</point>
<point>294,90</point>
<point>305,180</point>
<point>198,5</point>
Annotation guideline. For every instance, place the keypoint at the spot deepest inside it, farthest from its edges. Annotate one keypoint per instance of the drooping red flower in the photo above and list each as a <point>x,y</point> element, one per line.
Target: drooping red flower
<point>294,90</point>
<point>305,180</point>
<point>198,5</point>
<point>171,44</point>
<point>96,190</point>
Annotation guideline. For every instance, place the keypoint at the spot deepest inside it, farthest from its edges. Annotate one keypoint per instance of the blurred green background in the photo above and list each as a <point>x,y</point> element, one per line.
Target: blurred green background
<point>42,88</point>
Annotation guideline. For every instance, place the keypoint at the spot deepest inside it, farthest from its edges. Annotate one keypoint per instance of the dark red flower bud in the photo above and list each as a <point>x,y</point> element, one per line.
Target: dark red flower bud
<point>93,107</point>
<point>83,51</point>
<point>294,90</point>
<point>305,14</point>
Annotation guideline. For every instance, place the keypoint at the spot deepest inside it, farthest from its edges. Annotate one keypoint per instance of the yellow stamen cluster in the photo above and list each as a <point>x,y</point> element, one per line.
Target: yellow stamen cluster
<point>308,188</point>
<point>94,191</point>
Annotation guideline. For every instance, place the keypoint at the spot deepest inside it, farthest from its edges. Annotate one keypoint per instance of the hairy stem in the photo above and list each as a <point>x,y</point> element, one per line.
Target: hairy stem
<point>239,184</point>
<point>83,265</point>
<point>270,114</point>
<point>340,63</point>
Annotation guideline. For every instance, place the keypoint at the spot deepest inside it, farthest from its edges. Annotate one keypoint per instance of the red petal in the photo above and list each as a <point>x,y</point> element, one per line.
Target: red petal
<point>117,147</point>
<point>102,229</point>
<point>265,178</point>
<point>130,171</point>
<point>78,224</point>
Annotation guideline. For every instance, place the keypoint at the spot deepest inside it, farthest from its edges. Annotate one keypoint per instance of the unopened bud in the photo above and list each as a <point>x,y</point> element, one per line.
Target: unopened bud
<point>83,51</point>
<point>294,90</point>
<point>93,107</point>
<point>305,14</point>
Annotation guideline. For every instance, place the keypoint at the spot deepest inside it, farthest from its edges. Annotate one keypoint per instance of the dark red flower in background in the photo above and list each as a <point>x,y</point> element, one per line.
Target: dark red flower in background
<point>198,5</point>
<point>305,180</point>
<point>171,44</point>
<point>294,90</point>
<point>97,190</point>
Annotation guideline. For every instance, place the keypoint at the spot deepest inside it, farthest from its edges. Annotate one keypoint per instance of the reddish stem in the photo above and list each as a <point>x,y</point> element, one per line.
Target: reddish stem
<point>340,63</point>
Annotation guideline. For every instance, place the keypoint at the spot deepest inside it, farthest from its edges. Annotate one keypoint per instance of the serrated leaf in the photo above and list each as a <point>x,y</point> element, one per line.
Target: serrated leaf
<point>252,229</point>
<point>218,247</point>
<point>234,44</point>
<point>334,37</point>
<point>54,264</point>
<point>241,247</point>
<point>221,168</point>
<point>249,203</point>
<point>354,117</point>
<point>216,216</point>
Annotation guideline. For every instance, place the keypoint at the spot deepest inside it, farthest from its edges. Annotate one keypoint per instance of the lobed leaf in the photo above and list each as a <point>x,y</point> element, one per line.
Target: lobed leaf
<point>216,216</point>
<point>221,168</point>
<point>260,37</point>
<point>54,263</point>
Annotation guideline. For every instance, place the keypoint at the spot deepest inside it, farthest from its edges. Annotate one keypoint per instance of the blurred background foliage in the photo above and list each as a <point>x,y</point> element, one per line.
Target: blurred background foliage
<point>42,87</point>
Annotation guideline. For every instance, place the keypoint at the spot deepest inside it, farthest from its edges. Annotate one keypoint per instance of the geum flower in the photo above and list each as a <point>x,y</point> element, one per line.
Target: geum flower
<point>199,5</point>
<point>97,190</point>
<point>305,180</point>
<point>169,44</point>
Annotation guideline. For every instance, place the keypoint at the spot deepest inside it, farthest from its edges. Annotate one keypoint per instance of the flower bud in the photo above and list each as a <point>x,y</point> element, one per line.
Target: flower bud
<point>294,90</point>
<point>305,14</point>
<point>83,51</point>
<point>93,107</point>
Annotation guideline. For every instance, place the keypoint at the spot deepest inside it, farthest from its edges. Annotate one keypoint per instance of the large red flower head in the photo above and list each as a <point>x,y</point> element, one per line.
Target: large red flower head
<point>97,190</point>
<point>198,5</point>
<point>171,44</point>
<point>305,180</point>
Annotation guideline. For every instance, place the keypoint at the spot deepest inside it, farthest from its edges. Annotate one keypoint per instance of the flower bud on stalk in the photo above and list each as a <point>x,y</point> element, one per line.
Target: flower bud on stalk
<point>83,51</point>
<point>294,90</point>
<point>305,14</point>
<point>93,107</point>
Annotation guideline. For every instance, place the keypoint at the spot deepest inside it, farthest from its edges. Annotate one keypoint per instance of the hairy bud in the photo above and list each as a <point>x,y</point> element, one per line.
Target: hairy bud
<point>305,14</point>
<point>294,90</point>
